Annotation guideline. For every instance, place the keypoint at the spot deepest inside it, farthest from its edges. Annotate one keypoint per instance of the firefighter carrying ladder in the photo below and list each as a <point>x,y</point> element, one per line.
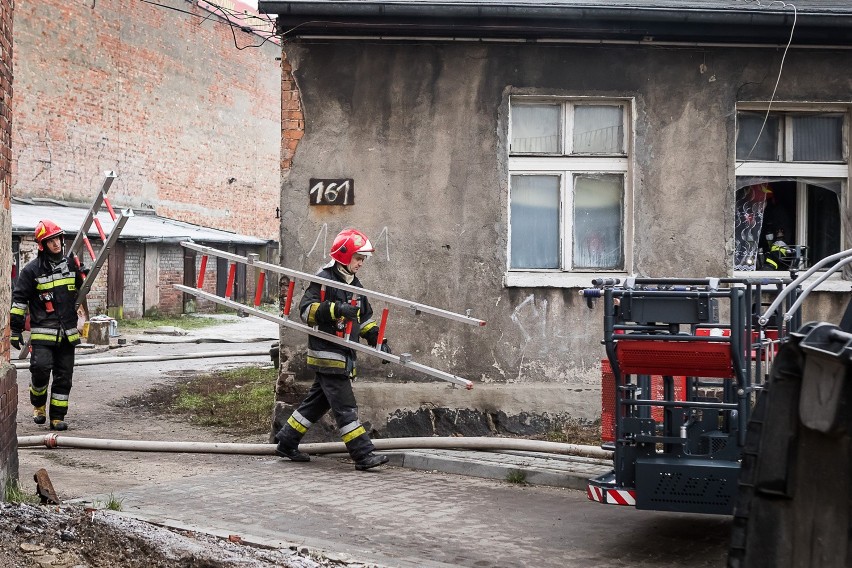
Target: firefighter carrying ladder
<point>82,240</point>
<point>404,359</point>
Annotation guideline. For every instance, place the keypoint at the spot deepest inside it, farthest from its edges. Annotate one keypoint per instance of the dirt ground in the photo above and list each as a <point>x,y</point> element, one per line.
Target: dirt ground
<point>74,535</point>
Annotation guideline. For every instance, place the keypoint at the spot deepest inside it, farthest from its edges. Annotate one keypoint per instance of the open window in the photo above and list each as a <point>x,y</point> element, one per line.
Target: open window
<point>792,178</point>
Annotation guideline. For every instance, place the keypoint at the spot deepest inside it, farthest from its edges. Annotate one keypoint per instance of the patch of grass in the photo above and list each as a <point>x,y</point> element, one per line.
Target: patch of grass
<point>236,400</point>
<point>14,493</point>
<point>576,432</point>
<point>517,477</point>
<point>112,503</point>
<point>181,321</point>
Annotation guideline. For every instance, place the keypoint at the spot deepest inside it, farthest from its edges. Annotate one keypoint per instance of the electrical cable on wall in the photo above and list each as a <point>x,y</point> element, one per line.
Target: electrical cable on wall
<point>780,69</point>
<point>263,27</point>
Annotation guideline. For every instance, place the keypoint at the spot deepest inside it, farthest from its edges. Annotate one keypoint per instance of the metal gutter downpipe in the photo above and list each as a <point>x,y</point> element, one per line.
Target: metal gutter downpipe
<point>54,440</point>
<point>143,358</point>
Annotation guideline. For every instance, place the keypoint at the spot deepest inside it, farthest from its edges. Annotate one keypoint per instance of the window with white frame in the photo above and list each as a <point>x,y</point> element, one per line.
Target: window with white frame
<point>568,163</point>
<point>792,177</point>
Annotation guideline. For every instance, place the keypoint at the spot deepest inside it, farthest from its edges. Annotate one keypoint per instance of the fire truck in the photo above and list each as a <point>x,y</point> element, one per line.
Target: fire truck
<point>718,400</point>
<point>685,359</point>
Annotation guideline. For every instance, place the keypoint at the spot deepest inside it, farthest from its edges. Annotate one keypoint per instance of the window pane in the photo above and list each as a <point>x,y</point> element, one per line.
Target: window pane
<point>598,221</point>
<point>534,211</point>
<point>818,138</point>
<point>748,126</point>
<point>823,222</point>
<point>598,130</point>
<point>535,129</point>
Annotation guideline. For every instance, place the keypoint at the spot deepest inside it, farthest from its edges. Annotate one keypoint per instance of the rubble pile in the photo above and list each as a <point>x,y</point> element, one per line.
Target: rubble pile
<point>69,536</point>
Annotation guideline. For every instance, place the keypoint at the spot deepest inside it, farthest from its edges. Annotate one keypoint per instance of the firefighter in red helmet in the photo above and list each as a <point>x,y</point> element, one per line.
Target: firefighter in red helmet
<point>331,310</point>
<point>47,287</point>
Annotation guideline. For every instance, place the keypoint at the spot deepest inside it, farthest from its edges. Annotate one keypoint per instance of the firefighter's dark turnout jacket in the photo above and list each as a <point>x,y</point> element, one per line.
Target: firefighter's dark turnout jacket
<point>49,292</point>
<point>335,365</point>
<point>323,355</point>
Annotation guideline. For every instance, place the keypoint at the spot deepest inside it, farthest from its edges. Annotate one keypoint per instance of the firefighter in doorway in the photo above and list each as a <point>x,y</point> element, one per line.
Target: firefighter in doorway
<point>47,286</point>
<point>332,311</point>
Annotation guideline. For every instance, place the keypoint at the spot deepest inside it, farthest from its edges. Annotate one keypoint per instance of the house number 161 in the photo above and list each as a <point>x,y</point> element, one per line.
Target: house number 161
<point>332,192</point>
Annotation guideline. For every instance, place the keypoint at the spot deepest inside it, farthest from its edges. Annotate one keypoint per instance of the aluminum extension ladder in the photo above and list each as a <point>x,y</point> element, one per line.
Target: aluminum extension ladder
<point>82,240</point>
<point>404,359</point>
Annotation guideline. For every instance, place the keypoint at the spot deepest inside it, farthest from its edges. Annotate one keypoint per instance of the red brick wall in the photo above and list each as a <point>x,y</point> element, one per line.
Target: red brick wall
<point>190,123</point>
<point>292,118</point>
<point>8,377</point>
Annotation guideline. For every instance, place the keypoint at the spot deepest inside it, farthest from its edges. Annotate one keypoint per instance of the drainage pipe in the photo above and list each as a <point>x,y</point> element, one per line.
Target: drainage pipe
<point>54,440</point>
<point>144,358</point>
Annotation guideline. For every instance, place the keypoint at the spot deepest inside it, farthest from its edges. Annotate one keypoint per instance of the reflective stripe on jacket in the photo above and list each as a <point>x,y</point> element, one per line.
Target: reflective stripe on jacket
<point>49,293</point>
<point>323,355</point>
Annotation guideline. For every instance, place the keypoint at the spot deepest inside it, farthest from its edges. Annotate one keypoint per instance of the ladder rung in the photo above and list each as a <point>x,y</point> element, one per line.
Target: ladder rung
<point>382,325</point>
<point>109,208</point>
<point>100,229</point>
<point>89,247</point>
<point>288,301</point>
<point>258,294</point>
<point>232,273</point>
<point>201,272</point>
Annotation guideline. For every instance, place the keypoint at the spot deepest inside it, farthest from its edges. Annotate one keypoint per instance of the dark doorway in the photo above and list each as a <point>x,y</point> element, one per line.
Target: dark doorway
<point>189,279</point>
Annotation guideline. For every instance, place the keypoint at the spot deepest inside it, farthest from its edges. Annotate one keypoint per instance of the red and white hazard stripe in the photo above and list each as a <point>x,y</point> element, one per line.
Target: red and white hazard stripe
<point>611,496</point>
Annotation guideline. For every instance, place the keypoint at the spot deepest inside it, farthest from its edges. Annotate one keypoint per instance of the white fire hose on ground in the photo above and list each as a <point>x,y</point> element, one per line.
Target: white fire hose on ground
<point>81,361</point>
<point>54,440</point>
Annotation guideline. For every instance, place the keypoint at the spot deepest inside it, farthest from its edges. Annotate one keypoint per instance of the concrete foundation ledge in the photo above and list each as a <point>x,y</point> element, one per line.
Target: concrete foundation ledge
<point>532,469</point>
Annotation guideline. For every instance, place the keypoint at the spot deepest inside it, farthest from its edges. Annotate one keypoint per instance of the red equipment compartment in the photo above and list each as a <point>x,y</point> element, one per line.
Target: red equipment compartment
<point>608,398</point>
<point>689,358</point>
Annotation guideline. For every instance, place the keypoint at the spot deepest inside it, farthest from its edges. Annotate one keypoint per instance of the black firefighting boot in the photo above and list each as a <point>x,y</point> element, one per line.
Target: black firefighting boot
<point>292,454</point>
<point>370,461</point>
<point>39,416</point>
<point>58,425</point>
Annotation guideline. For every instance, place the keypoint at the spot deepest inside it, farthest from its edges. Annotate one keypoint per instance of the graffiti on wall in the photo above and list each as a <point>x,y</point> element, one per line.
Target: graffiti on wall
<point>321,242</point>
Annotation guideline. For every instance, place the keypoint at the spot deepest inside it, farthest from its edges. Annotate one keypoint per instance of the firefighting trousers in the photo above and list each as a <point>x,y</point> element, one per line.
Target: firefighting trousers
<point>58,359</point>
<point>329,392</point>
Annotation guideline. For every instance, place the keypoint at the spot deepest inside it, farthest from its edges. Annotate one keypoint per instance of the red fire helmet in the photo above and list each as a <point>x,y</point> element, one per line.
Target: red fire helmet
<point>46,230</point>
<point>347,243</point>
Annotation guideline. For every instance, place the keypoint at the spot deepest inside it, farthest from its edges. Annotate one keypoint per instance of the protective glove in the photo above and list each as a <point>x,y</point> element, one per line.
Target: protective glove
<point>15,340</point>
<point>385,348</point>
<point>346,311</point>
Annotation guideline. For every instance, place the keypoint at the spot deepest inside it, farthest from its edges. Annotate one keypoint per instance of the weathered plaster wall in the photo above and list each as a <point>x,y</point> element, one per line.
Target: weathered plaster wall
<point>8,375</point>
<point>422,130</point>
<point>189,123</point>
